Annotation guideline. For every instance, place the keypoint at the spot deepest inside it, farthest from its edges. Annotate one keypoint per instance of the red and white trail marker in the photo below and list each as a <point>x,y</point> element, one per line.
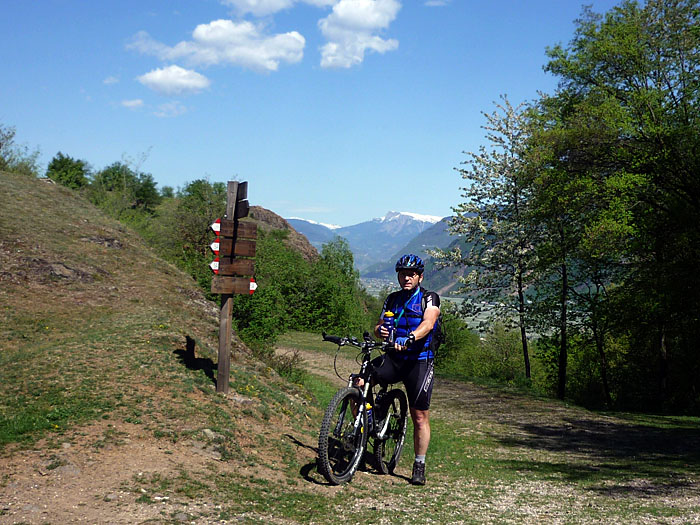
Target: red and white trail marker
<point>216,226</point>
<point>253,285</point>
<point>214,265</point>
<point>215,246</point>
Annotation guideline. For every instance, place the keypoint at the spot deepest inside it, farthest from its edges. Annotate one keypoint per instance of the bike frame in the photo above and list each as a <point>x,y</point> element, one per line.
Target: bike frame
<point>348,425</point>
<point>367,390</point>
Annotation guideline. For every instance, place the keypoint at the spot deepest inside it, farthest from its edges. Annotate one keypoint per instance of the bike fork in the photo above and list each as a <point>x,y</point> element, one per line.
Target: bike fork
<point>385,426</point>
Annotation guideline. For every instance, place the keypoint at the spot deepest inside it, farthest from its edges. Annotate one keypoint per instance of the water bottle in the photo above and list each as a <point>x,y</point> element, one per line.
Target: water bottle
<point>389,325</point>
<point>370,421</point>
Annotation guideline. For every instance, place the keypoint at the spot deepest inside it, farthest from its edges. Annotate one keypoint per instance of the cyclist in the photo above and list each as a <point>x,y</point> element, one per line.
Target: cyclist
<point>415,312</point>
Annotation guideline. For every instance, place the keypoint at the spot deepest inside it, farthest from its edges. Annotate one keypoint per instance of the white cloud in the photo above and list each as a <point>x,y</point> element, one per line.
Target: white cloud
<point>174,80</point>
<point>268,7</point>
<point>351,30</point>
<point>132,104</point>
<point>227,42</point>
<point>110,80</point>
<point>170,109</point>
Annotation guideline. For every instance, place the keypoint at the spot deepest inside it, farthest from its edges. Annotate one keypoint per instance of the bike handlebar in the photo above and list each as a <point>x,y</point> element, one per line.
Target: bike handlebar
<point>333,339</point>
<point>367,344</point>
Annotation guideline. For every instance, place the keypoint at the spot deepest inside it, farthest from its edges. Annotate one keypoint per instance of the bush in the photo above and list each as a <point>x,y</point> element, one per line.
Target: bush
<point>295,294</point>
<point>68,171</point>
<point>456,356</point>
<point>117,189</point>
<point>497,356</point>
<point>16,158</point>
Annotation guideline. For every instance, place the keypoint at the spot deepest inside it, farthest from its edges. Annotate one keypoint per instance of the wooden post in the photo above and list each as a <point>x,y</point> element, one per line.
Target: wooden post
<point>223,368</point>
<point>236,250</point>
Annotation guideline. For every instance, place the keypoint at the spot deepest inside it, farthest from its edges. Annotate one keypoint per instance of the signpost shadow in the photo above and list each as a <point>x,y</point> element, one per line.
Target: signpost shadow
<point>192,362</point>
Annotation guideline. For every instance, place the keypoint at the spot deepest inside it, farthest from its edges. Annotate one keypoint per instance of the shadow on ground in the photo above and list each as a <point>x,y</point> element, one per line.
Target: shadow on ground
<point>651,455</point>
<point>192,362</point>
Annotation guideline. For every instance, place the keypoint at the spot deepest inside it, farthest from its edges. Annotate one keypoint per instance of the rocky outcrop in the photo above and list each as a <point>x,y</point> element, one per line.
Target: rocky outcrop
<point>268,220</point>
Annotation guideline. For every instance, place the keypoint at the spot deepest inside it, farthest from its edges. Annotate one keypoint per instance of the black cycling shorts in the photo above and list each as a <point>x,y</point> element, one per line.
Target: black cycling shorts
<point>416,376</point>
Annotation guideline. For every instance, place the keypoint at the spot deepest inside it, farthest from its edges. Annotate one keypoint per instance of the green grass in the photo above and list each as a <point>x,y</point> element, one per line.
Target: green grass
<point>478,472</point>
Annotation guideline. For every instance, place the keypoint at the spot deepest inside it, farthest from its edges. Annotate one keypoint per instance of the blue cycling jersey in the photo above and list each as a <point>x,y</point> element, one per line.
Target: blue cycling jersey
<point>408,307</point>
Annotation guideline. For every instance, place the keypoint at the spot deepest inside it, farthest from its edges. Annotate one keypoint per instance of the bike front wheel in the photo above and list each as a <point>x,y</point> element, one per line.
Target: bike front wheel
<point>387,451</point>
<point>341,442</point>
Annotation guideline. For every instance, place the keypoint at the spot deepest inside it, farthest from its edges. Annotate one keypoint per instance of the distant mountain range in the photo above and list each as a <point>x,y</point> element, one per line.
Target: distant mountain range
<point>377,244</point>
<point>372,241</point>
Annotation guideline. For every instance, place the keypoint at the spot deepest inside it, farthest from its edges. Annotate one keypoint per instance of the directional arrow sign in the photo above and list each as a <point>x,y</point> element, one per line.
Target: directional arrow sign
<point>215,246</point>
<point>216,226</point>
<point>215,265</point>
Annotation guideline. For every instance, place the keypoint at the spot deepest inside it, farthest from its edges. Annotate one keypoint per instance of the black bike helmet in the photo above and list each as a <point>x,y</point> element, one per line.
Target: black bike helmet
<point>410,262</point>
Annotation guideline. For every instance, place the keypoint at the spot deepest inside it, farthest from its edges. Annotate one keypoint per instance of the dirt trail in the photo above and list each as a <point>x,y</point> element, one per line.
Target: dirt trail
<point>562,466</point>
<point>584,450</point>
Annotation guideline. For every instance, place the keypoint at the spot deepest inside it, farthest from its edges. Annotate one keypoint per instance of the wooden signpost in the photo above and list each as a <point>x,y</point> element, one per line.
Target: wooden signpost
<point>234,268</point>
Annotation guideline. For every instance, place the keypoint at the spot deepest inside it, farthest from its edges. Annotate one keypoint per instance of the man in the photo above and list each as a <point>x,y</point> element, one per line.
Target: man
<point>415,312</point>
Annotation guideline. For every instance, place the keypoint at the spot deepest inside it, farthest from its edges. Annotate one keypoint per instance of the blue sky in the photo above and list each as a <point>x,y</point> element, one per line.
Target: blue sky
<point>333,110</point>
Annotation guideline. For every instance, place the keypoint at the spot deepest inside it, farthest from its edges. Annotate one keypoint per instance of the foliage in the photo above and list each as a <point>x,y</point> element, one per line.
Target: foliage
<point>455,357</point>
<point>608,171</point>
<point>167,192</point>
<point>16,158</point>
<point>493,223</point>
<point>295,294</point>
<point>497,357</point>
<point>124,192</point>
<point>624,142</point>
<point>179,229</point>
<point>68,171</point>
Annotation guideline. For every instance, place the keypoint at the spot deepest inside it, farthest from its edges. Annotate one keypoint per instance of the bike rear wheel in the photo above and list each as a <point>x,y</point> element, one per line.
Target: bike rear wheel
<point>387,451</point>
<point>341,445</point>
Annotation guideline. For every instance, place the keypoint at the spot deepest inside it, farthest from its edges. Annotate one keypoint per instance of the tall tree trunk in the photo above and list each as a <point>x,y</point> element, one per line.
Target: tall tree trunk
<point>563,350</point>
<point>663,366</point>
<point>523,332</point>
<point>599,337</point>
<point>603,366</point>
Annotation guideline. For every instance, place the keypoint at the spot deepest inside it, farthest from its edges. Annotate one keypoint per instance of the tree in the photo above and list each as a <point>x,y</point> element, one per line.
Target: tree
<point>167,192</point>
<point>337,254</point>
<point>493,223</point>
<point>7,147</point>
<point>122,190</point>
<point>624,150</point>
<point>200,203</point>
<point>572,210</point>
<point>336,290</point>
<point>68,171</point>
<point>16,158</point>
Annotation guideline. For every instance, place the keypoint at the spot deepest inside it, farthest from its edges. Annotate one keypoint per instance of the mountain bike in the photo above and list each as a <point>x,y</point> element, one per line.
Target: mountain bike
<point>356,414</point>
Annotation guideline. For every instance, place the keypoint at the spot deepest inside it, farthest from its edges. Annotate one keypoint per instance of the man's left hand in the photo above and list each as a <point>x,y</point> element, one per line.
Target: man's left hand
<point>403,342</point>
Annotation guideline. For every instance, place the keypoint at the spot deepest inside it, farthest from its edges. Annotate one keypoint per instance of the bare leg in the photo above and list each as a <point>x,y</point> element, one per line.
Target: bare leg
<point>421,431</point>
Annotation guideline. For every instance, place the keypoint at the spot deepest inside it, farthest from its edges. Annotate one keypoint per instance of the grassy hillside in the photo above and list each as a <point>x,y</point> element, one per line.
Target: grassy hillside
<point>94,358</point>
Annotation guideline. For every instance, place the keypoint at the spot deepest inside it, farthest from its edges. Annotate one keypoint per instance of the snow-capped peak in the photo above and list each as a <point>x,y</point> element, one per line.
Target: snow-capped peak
<point>395,215</point>
<point>329,226</point>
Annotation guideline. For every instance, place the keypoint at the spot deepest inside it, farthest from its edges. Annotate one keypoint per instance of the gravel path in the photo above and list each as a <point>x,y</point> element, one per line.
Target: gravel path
<point>603,468</point>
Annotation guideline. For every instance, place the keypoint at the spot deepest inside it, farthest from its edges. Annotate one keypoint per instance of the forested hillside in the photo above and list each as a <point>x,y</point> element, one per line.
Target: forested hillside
<point>582,211</point>
<point>107,366</point>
